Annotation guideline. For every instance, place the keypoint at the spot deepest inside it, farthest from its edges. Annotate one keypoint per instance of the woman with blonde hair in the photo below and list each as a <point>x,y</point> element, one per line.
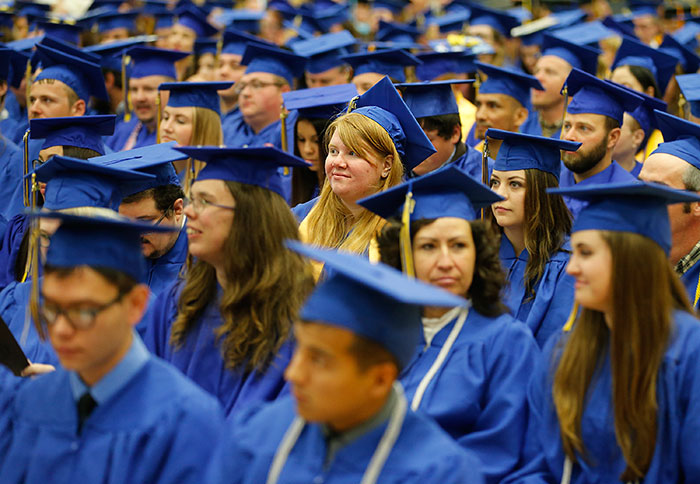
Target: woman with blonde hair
<point>617,398</point>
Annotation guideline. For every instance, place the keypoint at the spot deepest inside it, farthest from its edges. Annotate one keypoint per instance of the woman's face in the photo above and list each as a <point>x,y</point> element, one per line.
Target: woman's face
<point>176,125</point>
<point>208,226</point>
<point>181,38</point>
<point>444,254</point>
<point>352,177</point>
<point>510,212</point>
<point>206,66</point>
<point>591,265</point>
<point>623,75</point>
<point>307,143</point>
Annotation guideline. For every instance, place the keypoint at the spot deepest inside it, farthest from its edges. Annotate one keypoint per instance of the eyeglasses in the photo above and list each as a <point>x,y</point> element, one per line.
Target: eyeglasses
<point>78,318</point>
<point>255,85</point>
<point>199,204</point>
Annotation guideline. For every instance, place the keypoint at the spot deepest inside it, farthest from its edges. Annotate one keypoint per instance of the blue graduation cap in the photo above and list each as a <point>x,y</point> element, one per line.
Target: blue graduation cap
<point>205,46</point>
<point>374,301</point>
<point>117,20</point>
<point>390,62</point>
<point>25,7</point>
<point>435,98</point>
<point>85,78</point>
<point>193,18</point>
<point>450,21</point>
<point>67,48</point>
<point>620,24</point>
<point>510,82</point>
<point>252,166</point>
<point>397,32</point>
<point>595,96</point>
<point>320,102</point>
<point>12,66</point>
<point>151,61</point>
<point>501,21</point>
<point>588,33</point>
<point>681,138</point>
<point>196,94</point>
<point>242,19</point>
<point>520,151</point>
<point>111,52</point>
<point>235,41</point>
<point>261,58</point>
<point>25,45</point>
<point>156,160</point>
<point>688,59</point>
<point>78,131</point>
<point>690,88</point>
<point>383,105</point>
<point>113,243</point>
<point>634,53</point>
<point>644,113</point>
<point>578,56</point>
<point>436,64</point>
<point>394,6</point>
<point>68,32</point>
<point>329,16</point>
<point>163,16</point>
<point>323,53</point>
<point>688,35</point>
<point>634,207</point>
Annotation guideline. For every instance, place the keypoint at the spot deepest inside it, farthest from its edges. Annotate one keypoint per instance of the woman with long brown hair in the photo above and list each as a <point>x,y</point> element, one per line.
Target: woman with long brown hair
<point>534,229</point>
<point>617,399</point>
<point>226,325</point>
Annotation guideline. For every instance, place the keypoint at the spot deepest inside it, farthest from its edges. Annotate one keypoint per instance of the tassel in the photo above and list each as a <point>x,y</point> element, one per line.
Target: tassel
<point>125,86</point>
<point>158,116</point>
<point>485,169</point>
<point>405,236</point>
<point>283,138</point>
<point>25,181</point>
<point>572,318</point>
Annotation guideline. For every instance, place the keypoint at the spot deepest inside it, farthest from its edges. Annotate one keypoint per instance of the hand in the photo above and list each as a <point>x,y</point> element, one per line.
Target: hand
<point>35,369</point>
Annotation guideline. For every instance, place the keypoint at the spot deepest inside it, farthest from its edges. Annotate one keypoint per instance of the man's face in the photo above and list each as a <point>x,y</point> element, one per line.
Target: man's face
<point>154,245</point>
<point>331,77</point>
<point>495,111</point>
<point>260,101</point>
<point>114,35</point>
<point>363,82</point>
<point>144,97</point>
<point>50,100</point>
<point>444,146</point>
<point>230,70</point>
<point>551,71</point>
<point>588,129</point>
<point>646,28</point>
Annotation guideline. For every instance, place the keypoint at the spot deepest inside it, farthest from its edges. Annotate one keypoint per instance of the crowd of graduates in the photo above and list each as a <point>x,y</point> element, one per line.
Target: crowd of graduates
<point>366,242</point>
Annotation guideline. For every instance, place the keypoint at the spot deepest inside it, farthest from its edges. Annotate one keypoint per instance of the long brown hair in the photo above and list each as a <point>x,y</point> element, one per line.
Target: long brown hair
<point>266,283</point>
<point>206,131</point>
<point>641,323</point>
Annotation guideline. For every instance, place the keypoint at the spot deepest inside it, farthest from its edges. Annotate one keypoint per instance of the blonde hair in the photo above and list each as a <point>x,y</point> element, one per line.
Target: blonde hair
<point>71,95</point>
<point>330,222</point>
<point>206,131</point>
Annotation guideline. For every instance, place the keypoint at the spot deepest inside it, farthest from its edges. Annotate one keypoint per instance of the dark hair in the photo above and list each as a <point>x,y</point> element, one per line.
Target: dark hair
<point>610,124</point>
<point>369,353</point>
<point>645,77</point>
<point>444,124</point>
<point>80,153</point>
<point>306,183</point>
<point>165,197</point>
<point>489,279</point>
<point>122,281</point>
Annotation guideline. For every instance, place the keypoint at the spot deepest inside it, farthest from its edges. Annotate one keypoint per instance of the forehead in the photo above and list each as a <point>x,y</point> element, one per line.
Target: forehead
<point>259,76</point>
<point>230,58</point>
<point>664,168</point>
<point>494,98</point>
<point>446,227</point>
<point>49,87</point>
<point>554,63</point>
<point>596,120</point>
<point>216,188</point>
<point>147,81</point>
<point>177,111</point>
<point>333,340</point>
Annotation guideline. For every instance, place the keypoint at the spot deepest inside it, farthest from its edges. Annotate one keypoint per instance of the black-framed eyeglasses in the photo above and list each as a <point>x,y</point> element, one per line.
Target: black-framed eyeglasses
<point>199,204</point>
<point>78,318</point>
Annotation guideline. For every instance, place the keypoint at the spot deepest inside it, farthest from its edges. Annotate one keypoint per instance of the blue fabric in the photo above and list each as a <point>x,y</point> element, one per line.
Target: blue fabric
<point>122,132</point>
<point>200,357</point>
<point>477,396</point>
<point>637,169</point>
<point>470,162</point>
<point>554,293</point>
<point>678,424</point>
<point>422,453</point>
<point>165,269</point>
<point>11,163</point>
<point>9,248</point>
<point>532,126</point>
<point>158,428</point>
<point>13,177</point>
<point>690,281</point>
<point>302,210</point>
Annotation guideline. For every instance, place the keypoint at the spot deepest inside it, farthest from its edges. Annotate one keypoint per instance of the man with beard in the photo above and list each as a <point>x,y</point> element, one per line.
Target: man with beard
<point>593,118</point>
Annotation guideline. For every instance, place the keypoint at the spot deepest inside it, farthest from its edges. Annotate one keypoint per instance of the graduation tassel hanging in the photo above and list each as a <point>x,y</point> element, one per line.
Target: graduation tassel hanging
<point>125,87</point>
<point>405,235</point>
<point>565,92</point>
<point>158,117</point>
<point>485,169</point>
<point>572,318</point>
<point>681,106</point>
<point>283,135</point>
<point>25,181</point>
<point>33,262</point>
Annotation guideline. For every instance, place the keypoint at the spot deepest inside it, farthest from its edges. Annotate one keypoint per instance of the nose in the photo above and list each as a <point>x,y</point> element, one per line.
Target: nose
<point>444,260</point>
<point>481,113</point>
<point>189,212</point>
<point>61,327</point>
<point>294,372</point>
<point>501,190</point>
<point>167,125</point>
<point>568,135</point>
<point>572,267</point>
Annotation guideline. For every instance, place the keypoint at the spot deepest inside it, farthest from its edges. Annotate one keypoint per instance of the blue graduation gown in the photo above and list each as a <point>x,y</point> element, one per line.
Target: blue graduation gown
<point>17,123</point>
<point>158,428</point>
<point>554,293</point>
<point>302,210</point>
<point>14,178</point>
<point>200,356</point>
<point>11,173</point>
<point>637,169</point>
<point>612,174</point>
<point>678,425</point>
<point>164,270</point>
<point>690,280</point>
<point>123,130</point>
<point>471,163</point>
<point>422,454</point>
<point>9,248</point>
<point>478,395</point>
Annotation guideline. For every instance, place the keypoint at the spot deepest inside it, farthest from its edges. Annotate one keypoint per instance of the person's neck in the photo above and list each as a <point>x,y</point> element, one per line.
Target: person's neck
<point>627,162</point>
<point>354,209</point>
<point>151,126</point>
<point>92,376</point>
<point>228,104</point>
<point>516,237</point>
<point>604,163</point>
<point>371,409</point>
<point>435,312</point>
<point>221,275</point>
<point>115,99</point>
<point>552,114</point>
<point>258,125</point>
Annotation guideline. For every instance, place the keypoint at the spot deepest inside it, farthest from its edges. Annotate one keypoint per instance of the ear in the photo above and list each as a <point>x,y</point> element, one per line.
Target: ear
<point>637,139</point>
<point>285,88</point>
<point>613,137</point>
<point>383,376</point>
<point>137,300</point>
<point>456,134</point>
<point>386,169</point>
<point>109,80</point>
<point>78,109</point>
<point>178,207</point>
<point>521,115</point>
<point>695,209</point>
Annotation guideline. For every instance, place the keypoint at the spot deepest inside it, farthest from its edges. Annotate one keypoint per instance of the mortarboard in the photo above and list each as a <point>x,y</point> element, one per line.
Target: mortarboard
<point>195,94</point>
<point>235,41</point>
<point>520,151</point>
<point>450,21</point>
<point>205,46</point>
<point>252,166</point>
<point>24,45</point>
<point>394,6</point>
<point>193,18</point>
<point>12,66</point>
<point>690,88</point>
<point>620,24</point>
<point>588,33</point>
<point>501,21</point>
<point>644,113</point>
<point>634,53</point>
<point>688,59</point>
<point>397,32</point>
<point>578,56</point>
<point>117,20</point>
<point>681,138</point>
<point>436,64</point>
<point>374,301</point>
<point>246,20</point>
<point>68,32</point>
<point>111,52</point>
<point>383,105</point>
<point>78,131</point>
<point>151,61</point>
<point>320,102</point>
<point>596,96</point>
<point>283,63</point>
<point>71,49</point>
<point>329,16</point>
<point>163,16</point>
<point>515,84</point>
<point>688,34</point>
<point>635,207</point>
<point>323,53</point>
<point>85,78</point>
<point>435,98</point>
<point>389,62</point>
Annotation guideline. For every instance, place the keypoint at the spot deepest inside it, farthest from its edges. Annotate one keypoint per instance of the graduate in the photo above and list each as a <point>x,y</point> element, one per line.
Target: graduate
<point>324,67</point>
<point>643,68</point>
<point>190,25</point>
<point>114,413</point>
<point>371,67</point>
<point>466,369</point>
<point>348,420</point>
<point>617,398</point>
<point>226,324</point>
<point>534,229</point>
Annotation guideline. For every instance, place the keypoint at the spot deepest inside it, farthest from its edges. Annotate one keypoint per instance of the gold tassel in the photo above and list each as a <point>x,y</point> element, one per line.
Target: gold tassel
<point>485,169</point>
<point>572,318</point>
<point>125,86</point>
<point>405,235</point>
<point>25,181</point>
<point>565,92</point>
<point>158,116</point>
<point>681,106</point>
<point>352,105</point>
<point>33,262</point>
<point>283,138</point>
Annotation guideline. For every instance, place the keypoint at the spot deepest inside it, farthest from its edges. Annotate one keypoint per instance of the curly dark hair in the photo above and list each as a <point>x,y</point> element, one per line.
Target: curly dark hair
<point>489,278</point>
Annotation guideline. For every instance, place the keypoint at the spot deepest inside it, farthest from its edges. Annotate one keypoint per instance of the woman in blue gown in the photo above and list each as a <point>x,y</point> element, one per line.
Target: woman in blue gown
<point>534,230</point>
<point>226,325</point>
<point>469,368</point>
<point>617,399</point>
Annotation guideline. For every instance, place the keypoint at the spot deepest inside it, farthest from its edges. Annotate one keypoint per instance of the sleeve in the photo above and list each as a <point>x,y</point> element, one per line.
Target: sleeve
<point>690,424</point>
<point>155,325</point>
<point>553,303</point>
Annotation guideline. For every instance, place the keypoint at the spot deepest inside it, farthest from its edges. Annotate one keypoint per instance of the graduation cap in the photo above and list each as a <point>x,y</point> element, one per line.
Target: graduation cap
<point>323,53</point>
<point>622,25</point>
<point>634,53</point>
<point>163,16</point>
<point>113,243</point>
<point>67,48</point>
<point>394,6</point>
<point>681,138</point>
<point>688,34</point>
<point>320,102</point>
<point>690,88</point>
<point>156,160</point>
<point>383,105</point>
<point>499,20</point>
<point>520,151</point>
<point>578,56</point>
<point>193,18</point>
<point>588,33</point>
<point>205,46</point>
<point>426,99</point>
<point>235,41</point>
<point>85,78</point>
<point>397,32</point>
<point>644,113</point>
<point>510,82</point>
<point>117,20</point>
<point>261,58</point>
<point>151,61</point>
<point>25,45</point>
<point>195,94</point>
<point>12,66</point>
<point>246,20</point>
<point>77,131</point>
<point>374,301</point>
<point>68,32</point>
<point>329,16</point>
<point>436,64</point>
<point>451,21</point>
<point>111,52</point>
<point>688,59</point>
<point>23,7</point>
<point>596,96</point>
<point>252,166</point>
<point>389,62</point>
<point>635,207</point>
